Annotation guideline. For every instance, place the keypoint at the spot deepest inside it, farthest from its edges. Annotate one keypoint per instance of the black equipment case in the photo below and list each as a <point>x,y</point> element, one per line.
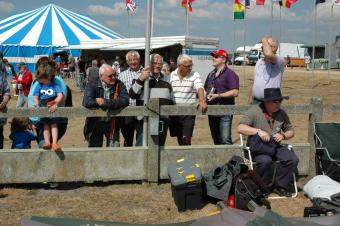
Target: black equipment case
<point>186,184</point>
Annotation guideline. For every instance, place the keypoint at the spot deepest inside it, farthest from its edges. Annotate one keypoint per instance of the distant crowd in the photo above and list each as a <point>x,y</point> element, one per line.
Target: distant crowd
<point>121,84</point>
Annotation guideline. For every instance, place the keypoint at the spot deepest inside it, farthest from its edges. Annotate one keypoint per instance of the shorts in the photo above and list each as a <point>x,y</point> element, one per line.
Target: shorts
<point>182,126</point>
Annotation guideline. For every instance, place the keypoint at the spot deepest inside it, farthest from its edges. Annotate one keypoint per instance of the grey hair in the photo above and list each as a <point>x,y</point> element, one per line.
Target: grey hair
<point>182,58</point>
<point>94,63</point>
<point>166,66</point>
<point>132,53</point>
<point>103,67</point>
<point>155,56</point>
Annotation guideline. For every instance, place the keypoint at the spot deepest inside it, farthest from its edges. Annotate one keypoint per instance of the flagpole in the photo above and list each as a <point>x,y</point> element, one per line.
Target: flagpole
<point>187,18</point>
<point>233,58</point>
<point>128,21</point>
<point>313,54</point>
<point>147,63</point>
<point>244,46</point>
<point>271,20</point>
<point>280,36</point>
<point>152,16</point>
<point>330,44</point>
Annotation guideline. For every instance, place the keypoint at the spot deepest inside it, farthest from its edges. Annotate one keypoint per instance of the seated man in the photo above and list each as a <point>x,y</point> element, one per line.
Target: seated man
<point>267,125</point>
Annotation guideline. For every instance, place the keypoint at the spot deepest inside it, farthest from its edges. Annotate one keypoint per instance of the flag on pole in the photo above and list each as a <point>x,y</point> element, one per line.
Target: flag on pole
<point>260,2</point>
<point>130,5</point>
<point>187,4</point>
<point>336,2</point>
<point>319,1</point>
<point>289,3</point>
<point>238,10</point>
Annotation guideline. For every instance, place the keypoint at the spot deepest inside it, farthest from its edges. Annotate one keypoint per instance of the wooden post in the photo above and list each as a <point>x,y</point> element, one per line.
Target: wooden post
<point>153,159</point>
<point>315,116</point>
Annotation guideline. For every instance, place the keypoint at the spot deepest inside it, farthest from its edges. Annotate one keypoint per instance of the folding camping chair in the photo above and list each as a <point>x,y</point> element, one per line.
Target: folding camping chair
<point>249,161</point>
<point>327,145</point>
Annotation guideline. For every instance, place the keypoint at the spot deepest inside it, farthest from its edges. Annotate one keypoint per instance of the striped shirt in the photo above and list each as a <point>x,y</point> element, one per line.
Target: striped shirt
<point>127,77</point>
<point>185,91</point>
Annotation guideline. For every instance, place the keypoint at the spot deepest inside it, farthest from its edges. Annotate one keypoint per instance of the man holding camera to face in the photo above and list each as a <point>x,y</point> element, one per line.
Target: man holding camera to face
<point>268,71</point>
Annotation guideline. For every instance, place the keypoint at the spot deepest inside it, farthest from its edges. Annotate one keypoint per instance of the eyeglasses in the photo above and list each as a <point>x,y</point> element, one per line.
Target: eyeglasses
<point>217,57</point>
<point>187,66</point>
<point>112,75</point>
<point>277,101</point>
<point>157,63</point>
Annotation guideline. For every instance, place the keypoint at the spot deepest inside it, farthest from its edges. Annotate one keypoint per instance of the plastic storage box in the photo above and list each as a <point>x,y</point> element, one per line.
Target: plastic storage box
<point>186,184</point>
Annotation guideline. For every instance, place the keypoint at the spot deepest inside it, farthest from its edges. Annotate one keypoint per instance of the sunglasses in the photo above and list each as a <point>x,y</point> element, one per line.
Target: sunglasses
<point>277,101</point>
<point>217,57</point>
<point>187,66</point>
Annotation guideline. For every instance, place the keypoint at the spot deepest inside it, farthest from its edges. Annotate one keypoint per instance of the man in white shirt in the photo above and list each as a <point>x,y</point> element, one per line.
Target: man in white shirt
<point>186,84</point>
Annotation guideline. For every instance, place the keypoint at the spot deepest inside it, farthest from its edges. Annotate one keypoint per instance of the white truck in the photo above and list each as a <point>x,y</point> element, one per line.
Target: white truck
<point>255,54</point>
<point>241,54</point>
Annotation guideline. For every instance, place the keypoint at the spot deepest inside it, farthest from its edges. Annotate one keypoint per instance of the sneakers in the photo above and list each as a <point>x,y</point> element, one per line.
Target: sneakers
<point>282,192</point>
<point>56,147</point>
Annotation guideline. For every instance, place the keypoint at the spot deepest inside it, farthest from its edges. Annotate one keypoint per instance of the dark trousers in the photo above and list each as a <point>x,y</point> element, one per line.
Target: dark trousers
<point>264,154</point>
<point>128,130</point>
<point>100,130</point>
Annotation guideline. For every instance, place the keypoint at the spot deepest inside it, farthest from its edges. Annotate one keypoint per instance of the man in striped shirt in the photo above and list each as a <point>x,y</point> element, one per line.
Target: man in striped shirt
<point>132,123</point>
<point>186,85</point>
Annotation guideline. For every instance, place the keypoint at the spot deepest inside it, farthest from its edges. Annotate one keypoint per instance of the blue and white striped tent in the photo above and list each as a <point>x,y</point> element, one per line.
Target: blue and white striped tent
<point>26,36</point>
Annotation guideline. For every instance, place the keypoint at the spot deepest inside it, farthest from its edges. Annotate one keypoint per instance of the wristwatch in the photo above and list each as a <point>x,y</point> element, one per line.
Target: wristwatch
<point>258,131</point>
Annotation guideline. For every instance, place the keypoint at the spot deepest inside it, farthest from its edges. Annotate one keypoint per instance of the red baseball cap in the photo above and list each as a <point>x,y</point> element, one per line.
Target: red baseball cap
<point>220,52</point>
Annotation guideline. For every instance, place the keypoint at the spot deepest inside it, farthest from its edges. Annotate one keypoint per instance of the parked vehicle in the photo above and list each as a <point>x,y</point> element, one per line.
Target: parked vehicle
<point>255,54</point>
<point>239,60</point>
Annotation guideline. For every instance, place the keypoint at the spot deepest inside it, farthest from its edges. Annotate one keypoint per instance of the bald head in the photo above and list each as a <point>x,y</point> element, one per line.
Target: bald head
<point>274,43</point>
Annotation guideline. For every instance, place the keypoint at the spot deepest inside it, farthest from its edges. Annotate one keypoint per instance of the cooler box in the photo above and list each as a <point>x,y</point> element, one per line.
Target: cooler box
<point>186,184</point>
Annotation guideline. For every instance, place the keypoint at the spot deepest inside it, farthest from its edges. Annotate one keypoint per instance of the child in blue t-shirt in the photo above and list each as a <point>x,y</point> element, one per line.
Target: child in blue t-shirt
<point>48,94</point>
<point>20,134</point>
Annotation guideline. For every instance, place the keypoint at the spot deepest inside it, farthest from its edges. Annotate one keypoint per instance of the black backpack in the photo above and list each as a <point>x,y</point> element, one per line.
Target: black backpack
<point>248,186</point>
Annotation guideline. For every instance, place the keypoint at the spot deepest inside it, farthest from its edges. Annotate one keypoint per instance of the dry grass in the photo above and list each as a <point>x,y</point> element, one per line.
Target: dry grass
<point>144,203</point>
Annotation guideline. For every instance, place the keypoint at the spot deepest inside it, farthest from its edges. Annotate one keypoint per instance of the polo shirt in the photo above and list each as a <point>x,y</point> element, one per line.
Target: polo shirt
<point>255,118</point>
<point>185,91</point>
<point>227,80</point>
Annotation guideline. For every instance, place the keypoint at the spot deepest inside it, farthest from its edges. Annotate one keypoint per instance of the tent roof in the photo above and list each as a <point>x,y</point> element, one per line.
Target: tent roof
<point>51,25</point>
<point>156,43</point>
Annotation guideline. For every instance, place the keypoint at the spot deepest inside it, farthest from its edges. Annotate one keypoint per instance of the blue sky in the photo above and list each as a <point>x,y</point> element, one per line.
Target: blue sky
<point>210,18</point>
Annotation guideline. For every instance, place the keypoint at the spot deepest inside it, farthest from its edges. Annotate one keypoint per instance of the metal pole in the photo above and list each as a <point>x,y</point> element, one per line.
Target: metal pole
<point>147,63</point>
<point>233,58</point>
<point>152,16</point>
<point>128,21</point>
<point>330,45</point>
<point>313,54</point>
<point>271,20</point>
<point>280,31</point>
<point>244,47</point>
<point>187,19</point>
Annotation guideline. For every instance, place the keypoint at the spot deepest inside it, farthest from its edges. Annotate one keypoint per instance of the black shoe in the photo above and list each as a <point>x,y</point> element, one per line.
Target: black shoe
<point>282,192</point>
